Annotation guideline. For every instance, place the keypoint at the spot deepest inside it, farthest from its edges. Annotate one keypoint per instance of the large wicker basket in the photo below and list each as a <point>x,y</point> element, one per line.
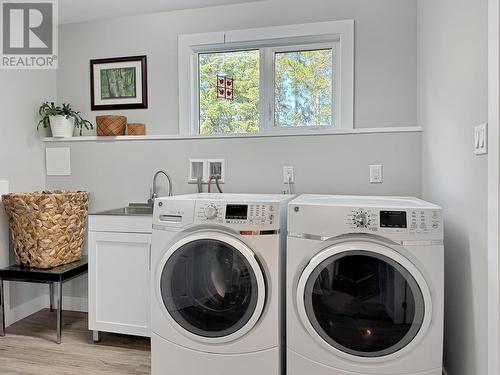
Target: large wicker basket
<point>47,228</point>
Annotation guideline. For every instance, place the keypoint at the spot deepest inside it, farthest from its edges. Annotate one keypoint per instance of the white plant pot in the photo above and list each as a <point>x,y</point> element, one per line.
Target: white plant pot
<point>61,127</point>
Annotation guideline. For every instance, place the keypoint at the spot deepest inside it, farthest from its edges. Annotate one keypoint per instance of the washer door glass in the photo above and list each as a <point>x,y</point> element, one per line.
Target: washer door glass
<point>364,304</point>
<point>209,288</point>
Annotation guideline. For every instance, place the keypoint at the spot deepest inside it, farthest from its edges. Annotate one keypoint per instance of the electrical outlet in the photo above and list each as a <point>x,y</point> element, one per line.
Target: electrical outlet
<point>481,139</point>
<point>288,175</point>
<point>376,174</point>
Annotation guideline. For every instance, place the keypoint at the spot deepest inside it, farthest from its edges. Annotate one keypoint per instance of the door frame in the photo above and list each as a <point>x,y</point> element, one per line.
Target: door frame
<point>493,185</point>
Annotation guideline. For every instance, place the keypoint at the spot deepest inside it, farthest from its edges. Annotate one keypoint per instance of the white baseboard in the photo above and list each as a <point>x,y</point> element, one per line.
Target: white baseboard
<point>24,310</point>
<point>16,313</point>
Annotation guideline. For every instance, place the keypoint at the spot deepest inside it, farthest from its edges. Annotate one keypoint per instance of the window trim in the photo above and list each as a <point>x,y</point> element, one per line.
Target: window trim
<point>191,45</point>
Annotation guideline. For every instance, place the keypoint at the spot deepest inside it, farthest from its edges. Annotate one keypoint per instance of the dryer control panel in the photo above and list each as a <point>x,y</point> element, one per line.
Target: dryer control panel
<point>396,218</point>
<point>395,221</point>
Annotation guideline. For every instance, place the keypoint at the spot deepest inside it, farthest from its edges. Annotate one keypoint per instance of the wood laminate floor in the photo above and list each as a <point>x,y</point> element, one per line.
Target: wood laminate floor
<point>29,348</point>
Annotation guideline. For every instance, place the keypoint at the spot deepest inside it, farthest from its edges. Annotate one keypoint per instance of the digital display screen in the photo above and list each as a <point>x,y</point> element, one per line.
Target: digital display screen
<point>236,211</point>
<point>393,219</point>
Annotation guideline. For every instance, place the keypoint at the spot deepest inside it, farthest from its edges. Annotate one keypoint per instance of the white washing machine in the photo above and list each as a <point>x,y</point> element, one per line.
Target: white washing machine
<point>365,286</point>
<point>216,284</point>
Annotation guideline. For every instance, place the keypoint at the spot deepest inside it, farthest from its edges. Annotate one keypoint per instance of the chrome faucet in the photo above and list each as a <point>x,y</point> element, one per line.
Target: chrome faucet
<point>154,193</point>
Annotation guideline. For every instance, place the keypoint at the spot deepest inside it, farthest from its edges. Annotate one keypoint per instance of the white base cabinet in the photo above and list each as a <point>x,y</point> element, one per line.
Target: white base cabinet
<point>119,279</point>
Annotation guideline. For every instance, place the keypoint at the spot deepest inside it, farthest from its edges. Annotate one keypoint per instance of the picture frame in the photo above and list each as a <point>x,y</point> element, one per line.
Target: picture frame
<point>119,83</point>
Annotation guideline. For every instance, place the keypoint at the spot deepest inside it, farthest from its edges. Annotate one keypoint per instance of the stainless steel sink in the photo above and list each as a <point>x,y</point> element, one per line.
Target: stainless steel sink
<point>133,209</point>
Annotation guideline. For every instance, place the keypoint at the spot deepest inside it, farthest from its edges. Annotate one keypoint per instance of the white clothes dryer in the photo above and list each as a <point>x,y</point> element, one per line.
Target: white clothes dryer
<point>365,286</point>
<point>216,284</point>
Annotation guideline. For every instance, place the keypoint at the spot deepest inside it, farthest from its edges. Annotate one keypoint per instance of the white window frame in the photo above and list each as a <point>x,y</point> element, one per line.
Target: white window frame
<point>338,35</point>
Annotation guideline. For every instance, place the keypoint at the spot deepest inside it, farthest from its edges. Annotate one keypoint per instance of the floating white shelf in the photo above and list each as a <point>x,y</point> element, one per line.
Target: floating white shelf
<point>407,129</point>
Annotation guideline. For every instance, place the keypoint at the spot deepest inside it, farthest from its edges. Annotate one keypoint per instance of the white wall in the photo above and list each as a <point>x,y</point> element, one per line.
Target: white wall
<point>385,68</point>
<point>22,164</point>
<point>453,99</point>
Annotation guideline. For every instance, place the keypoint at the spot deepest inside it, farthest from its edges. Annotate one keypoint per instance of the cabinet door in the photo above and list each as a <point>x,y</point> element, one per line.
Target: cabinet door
<point>119,279</point>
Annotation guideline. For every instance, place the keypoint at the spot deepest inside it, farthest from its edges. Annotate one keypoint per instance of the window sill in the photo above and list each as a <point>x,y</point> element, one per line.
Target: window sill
<point>407,129</point>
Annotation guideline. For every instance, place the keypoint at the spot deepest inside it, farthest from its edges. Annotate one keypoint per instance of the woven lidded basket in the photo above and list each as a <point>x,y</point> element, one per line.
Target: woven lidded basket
<point>136,129</point>
<point>111,125</point>
<point>47,228</point>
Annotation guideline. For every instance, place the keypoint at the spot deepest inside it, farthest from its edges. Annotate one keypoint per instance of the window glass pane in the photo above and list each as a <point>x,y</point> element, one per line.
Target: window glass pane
<point>240,112</point>
<point>303,88</point>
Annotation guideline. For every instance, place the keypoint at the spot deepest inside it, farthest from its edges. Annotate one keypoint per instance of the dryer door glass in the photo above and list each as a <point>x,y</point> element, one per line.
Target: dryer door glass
<point>364,303</point>
<point>209,288</point>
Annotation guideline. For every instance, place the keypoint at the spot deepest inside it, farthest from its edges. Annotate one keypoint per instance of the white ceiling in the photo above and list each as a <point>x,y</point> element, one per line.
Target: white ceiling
<point>86,10</point>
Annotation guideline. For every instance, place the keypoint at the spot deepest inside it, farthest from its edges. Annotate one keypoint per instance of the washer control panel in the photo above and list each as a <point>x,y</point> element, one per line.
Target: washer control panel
<point>395,221</point>
<point>253,214</point>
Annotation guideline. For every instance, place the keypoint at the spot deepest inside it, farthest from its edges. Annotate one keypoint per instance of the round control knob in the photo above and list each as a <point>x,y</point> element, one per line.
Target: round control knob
<point>361,220</point>
<point>211,212</point>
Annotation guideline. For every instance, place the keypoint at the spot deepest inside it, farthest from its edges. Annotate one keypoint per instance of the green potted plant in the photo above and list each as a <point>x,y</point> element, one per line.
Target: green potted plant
<point>62,120</point>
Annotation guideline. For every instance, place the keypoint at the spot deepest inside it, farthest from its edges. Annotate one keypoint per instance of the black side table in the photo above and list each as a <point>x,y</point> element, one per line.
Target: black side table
<point>56,276</point>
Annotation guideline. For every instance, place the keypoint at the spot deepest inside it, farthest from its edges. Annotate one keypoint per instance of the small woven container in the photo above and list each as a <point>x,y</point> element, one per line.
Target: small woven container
<point>136,129</point>
<point>47,228</point>
<point>110,125</point>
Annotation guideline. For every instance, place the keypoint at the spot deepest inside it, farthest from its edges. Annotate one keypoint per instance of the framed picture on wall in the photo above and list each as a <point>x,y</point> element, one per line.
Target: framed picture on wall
<point>119,83</point>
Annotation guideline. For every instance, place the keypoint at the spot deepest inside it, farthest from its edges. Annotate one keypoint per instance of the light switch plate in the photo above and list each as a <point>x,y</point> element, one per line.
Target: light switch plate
<point>58,161</point>
<point>288,175</point>
<point>376,174</point>
<point>481,139</point>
